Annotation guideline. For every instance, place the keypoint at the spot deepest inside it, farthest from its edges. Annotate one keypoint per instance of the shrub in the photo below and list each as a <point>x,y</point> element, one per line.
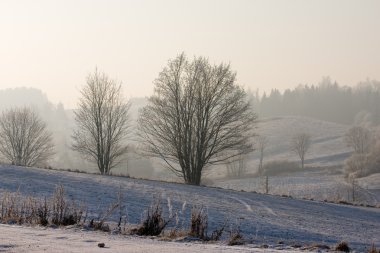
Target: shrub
<point>10,208</point>
<point>43,212</point>
<point>64,213</point>
<point>16,209</point>
<point>28,210</point>
<point>217,233</point>
<point>154,222</point>
<point>100,222</point>
<point>198,223</point>
<point>342,246</point>
<point>361,165</point>
<point>236,237</point>
<point>373,249</point>
<point>99,225</point>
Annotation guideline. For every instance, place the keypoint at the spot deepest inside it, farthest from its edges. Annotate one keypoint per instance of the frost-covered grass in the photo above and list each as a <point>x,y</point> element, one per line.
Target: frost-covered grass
<point>263,219</point>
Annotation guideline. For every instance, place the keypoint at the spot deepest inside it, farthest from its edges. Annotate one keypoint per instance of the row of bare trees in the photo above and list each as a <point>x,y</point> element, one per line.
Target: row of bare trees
<point>197,116</point>
<point>102,127</point>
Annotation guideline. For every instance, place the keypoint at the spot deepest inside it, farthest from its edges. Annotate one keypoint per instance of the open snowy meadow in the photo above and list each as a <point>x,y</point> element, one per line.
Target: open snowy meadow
<point>265,221</point>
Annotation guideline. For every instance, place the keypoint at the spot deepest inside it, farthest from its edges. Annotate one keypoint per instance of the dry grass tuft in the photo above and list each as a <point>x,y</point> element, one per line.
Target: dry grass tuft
<point>16,209</point>
<point>198,223</point>
<point>236,237</point>
<point>342,246</point>
<point>154,222</point>
<point>373,249</point>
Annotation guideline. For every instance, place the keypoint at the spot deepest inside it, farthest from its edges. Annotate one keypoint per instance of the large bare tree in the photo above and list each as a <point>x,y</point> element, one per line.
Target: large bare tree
<point>300,144</point>
<point>24,138</point>
<point>197,116</point>
<point>102,122</point>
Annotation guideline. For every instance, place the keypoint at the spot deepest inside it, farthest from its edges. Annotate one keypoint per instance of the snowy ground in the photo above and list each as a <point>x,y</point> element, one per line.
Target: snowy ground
<point>264,219</point>
<point>27,239</point>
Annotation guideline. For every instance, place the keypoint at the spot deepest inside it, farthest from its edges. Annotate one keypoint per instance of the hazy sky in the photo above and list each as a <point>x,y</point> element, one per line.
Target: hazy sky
<point>53,45</point>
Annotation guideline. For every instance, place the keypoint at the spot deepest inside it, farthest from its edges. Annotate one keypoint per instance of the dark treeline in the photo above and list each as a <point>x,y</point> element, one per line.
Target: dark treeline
<point>326,101</point>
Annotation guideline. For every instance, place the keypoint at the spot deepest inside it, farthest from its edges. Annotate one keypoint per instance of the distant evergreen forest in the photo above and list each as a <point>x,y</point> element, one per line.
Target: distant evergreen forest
<point>326,101</point>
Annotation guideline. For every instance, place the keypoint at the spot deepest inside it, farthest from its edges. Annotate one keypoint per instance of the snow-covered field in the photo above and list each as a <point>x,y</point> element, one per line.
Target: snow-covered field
<point>312,183</point>
<point>264,219</point>
<point>323,177</point>
<point>327,148</point>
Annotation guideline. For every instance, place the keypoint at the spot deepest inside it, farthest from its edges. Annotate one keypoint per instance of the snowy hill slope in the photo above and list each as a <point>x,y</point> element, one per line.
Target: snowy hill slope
<point>322,179</point>
<point>312,183</point>
<point>328,147</point>
<point>264,218</point>
<point>327,139</point>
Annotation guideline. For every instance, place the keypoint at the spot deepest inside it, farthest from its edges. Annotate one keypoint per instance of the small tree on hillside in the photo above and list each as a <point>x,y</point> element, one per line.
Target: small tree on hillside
<point>360,139</point>
<point>300,144</point>
<point>363,164</point>
<point>262,143</point>
<point>24,139</point>
<point>197,116</point>
<point>102,122</point>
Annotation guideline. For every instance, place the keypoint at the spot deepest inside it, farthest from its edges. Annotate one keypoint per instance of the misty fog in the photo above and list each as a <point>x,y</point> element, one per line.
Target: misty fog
<point>189,126</point>
<point>327,101</point>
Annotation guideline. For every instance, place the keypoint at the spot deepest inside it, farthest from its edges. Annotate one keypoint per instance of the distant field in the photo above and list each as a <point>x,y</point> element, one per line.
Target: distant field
<point>322,179</point>
<point>317,184</point>
<point>327,148</point>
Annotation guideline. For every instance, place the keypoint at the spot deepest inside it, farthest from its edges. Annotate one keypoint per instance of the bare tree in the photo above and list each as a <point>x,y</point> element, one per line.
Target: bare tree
<point>236,166</point>
<point>262,143</point>
<point>363,164</point>
<point>357,163</point>
<point>300,145</point>
<point>360,139</point>
<point>266,184</point>
<point>197,116</point>
<point>102,122</point>
<point>24,139</point>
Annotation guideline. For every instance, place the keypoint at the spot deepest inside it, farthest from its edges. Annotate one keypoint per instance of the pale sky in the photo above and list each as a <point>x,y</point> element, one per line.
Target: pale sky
<point>53,45</point>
